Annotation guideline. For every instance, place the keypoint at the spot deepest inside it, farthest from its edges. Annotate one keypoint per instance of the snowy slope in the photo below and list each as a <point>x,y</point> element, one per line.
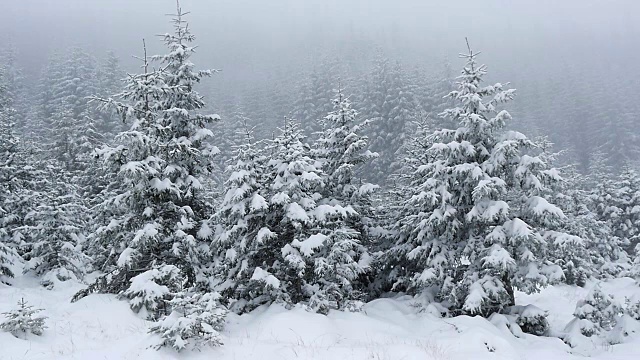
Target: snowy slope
<point>102,327</point>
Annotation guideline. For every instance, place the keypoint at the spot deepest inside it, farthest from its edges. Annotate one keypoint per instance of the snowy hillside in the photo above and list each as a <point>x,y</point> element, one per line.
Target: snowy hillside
<point>102,327</point>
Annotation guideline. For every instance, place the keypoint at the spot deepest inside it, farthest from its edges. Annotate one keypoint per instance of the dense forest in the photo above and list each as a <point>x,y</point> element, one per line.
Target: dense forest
<point>352,181</point>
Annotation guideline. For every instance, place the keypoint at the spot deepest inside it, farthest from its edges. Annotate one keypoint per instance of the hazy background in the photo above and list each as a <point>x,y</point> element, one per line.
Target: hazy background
<point>241,35</point>
<point>574,62</point>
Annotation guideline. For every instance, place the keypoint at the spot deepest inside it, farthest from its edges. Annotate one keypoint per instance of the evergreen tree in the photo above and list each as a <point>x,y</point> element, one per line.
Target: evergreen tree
<point>595,313</point>
<point>315,94</point>
<point>156,215</point>
<point>345,209</point>
<point>273,267</point>
<point>616,203</point>
<point>195,321</point>
<point>635,270</point>
<point>579,256</point>
<point>24,319</point>
<point>231,133</point>
<point>8,144</point>
<point>477,223</point>
<point>287,235</point>
<point>16,95</point>
<point>242,216</point>
<point>17,178</point>
<point>66,84</point>
<point>54,232</point>
<point>340,150</point>
<point>391,106</point>
<point>109,77</point>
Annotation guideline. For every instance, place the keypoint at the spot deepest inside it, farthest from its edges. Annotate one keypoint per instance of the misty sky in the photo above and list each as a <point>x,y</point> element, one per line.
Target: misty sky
<point>242,35</point>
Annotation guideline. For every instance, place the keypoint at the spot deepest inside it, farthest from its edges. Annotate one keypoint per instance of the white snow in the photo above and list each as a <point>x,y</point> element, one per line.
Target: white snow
<point>540,206</point>
<point>205,231</point>
<point>313,242</point>
<point>258,203</point>
<point>296,212</point>
<point>103,327</point>
<point>264,234</point>
<point>263,275</point>
<point>125,256</point>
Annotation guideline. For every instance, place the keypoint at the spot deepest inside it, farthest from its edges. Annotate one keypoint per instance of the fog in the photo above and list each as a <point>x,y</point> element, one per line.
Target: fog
<point>236,35</point>
<point>583,49</point>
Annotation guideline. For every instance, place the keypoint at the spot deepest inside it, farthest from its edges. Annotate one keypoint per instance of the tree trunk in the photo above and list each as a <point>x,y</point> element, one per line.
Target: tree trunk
<point>506,280</point>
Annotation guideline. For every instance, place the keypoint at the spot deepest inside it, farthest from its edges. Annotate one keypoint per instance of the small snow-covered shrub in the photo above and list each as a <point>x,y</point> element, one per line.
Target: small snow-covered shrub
<point>149,290</point>
<point>331,297</point>
<point>633,307</point>
<point>322,300</point>
<point>601,315</point>
<point>578,331</point>
<point>353,306</point>
<point>23,320</point>
<point>599,308</point>
<point>625,326</point>
<point>531,319</point>
<point>195,321</point>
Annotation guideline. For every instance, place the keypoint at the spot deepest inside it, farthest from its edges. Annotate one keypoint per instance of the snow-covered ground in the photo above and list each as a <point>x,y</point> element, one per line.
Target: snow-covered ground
<point>102,327</point>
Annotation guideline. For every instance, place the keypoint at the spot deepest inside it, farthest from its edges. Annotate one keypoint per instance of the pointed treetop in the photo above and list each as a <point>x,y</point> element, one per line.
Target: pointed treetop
<point>471,55</point>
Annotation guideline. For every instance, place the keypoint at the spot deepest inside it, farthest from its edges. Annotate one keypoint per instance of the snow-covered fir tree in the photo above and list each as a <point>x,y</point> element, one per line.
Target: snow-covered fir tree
<point>17,183</point>
<point>109,77</point>
<point>627,224</point>
<point>477,223</point>
<point>54,232</point>
<point>345,210</point>
<point>271,263</point>
<point>15,88</point>
<point>54,227</point>
<point>615,201</point>
<point>232,134</point>
<point>8,147</point>
<point>77,82</point>
<point>7,255</point>
<point>291,232</point>
<point>314,99</point>
<point>578,255</point>
<point>195,322</point>
<point>155,218</point>
<point>390,105</point>
<point>596,313</point>
<point>600,210</point>
<point>23,320</point>
<point>242,217</point>
<point>340,150</point>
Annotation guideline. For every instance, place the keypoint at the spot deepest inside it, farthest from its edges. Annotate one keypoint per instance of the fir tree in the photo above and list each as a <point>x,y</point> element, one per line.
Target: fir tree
<point>390,105</point>
<point>243,219</point>
<point>109,77</point>
<point>477,223</point>
<point>54,232</point>
<point>615,203</point>
<point>578,256</point>
<point>315,95</point>
<point>8,145</point>
<point>596,313</point>
<point>195,322</point>
<point>345,210</point>
<point>17,178</point>
<point>276,271</point>
<point>156,215</point>
<point>23,320</point>
<point>14,83</point>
